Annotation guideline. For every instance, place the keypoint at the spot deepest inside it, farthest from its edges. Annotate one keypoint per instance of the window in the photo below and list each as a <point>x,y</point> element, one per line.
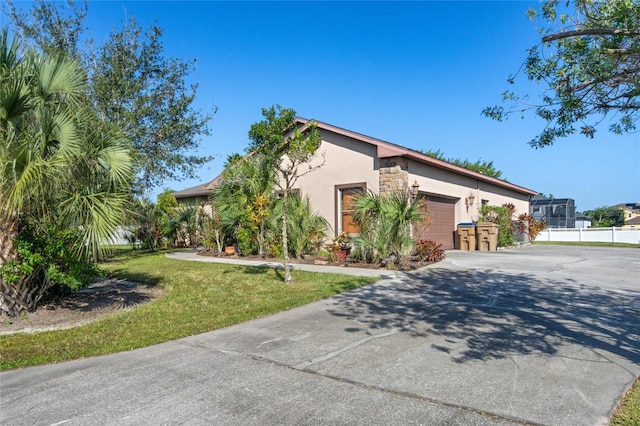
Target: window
<point>344,197</point>
<point>484,202</point>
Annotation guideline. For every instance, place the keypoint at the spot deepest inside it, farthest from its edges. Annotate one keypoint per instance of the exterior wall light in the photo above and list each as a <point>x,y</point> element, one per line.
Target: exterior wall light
<point>414,190</point>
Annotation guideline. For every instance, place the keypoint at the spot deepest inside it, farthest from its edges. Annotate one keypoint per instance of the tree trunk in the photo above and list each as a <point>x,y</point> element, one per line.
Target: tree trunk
<point>285,245</point>
<point>8,235</point>
<point>261,251</point>
<point>10,296</point>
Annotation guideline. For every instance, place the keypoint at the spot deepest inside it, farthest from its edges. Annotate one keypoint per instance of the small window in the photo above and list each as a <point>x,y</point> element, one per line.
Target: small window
<point>485,202</point>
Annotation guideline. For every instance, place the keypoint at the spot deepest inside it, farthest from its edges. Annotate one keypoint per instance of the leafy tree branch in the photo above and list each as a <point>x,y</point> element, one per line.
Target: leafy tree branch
<point>589,61</point>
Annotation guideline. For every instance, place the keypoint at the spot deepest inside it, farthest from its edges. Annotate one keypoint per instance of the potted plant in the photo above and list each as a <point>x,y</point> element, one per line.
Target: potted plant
<point>341,245</point>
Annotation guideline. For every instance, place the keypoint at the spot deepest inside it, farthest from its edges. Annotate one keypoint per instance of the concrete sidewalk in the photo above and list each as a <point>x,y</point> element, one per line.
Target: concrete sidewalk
<point>533,336</point>
<point>347,270</point>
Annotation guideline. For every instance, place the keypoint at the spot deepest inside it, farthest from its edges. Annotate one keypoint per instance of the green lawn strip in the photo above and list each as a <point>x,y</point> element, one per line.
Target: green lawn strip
<point>628,413</point>
<point>200,297</point>
<point>586,244</point>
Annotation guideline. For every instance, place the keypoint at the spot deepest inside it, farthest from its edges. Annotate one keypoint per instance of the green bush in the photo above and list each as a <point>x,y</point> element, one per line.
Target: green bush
<point>384,223</point>
<point>246,241</point>
<point>500,215</point>
<point>306,229</point>
<point>48,263</point>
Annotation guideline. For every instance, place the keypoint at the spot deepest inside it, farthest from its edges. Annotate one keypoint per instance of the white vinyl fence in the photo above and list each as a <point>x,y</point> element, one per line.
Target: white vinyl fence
<point>604,235</point>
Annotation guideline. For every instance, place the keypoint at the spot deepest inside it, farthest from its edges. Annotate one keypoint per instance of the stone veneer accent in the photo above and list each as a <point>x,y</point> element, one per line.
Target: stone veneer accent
<point>393,175</point>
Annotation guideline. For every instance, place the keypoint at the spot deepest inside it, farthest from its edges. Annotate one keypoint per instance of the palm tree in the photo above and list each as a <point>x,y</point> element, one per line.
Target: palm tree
<point>307,229</point>
<point>58,162</point>
<point>246,182</point>
<point>385,222</point>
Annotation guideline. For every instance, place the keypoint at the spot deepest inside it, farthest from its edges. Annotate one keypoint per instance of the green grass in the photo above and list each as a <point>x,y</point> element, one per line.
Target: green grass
<point>586,244</point>
<point>199,297</point>
<point>628,413</point>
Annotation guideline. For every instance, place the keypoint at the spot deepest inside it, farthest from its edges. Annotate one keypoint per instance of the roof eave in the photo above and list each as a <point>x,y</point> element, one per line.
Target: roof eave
<point>388,149</point>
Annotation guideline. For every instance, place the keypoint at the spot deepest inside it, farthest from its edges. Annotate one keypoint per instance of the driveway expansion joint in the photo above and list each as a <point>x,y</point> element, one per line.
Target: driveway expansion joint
<point>394,392</point>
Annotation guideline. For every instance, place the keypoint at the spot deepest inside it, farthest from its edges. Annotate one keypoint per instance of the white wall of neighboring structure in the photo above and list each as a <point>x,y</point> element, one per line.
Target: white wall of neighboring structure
<point>583,223</point>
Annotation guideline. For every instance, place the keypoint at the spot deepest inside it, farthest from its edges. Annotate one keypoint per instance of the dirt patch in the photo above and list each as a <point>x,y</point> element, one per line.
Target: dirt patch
<point>82,307</point>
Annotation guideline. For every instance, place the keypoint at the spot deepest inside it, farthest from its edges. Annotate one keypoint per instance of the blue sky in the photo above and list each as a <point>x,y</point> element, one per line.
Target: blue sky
<point>416,74</point>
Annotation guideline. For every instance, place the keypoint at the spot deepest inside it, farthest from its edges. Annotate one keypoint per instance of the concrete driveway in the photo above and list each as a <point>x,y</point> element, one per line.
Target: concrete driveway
<point>538,335</point>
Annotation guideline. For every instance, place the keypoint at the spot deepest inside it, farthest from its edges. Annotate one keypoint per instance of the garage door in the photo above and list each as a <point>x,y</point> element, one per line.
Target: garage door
<point>442,225</point>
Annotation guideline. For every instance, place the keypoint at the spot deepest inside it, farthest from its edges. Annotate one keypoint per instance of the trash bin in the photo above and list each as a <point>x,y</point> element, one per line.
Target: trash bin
<point>467,236</point>
<point>487,235</point>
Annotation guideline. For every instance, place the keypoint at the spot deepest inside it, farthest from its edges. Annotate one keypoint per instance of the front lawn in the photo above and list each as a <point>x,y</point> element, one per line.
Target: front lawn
<point>199,297</point>
<point>628,413</point>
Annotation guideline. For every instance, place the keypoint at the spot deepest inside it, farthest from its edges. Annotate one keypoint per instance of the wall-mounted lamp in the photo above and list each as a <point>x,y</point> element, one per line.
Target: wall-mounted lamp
<point>414,190</point>
<point>469,200</point>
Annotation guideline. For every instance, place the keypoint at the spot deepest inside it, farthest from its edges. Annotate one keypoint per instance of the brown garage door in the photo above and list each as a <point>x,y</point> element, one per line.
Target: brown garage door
<point>442,225</point>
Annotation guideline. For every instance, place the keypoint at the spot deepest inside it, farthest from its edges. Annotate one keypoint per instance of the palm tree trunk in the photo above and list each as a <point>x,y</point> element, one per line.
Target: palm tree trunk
<point>285,245</point>
<point>8,234</point>
<point>9,299</point>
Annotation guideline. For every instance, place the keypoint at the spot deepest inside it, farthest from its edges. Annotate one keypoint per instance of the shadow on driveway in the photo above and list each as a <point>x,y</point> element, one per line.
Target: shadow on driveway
<point>497,315</point>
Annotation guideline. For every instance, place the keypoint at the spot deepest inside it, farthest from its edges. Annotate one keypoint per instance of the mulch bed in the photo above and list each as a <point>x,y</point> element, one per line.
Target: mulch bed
<point>412,263</point>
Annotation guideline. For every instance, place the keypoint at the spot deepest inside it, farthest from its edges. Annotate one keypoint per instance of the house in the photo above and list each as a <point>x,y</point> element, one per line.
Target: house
<point>352,163</point>
<point>192,197</point>
<point>556,212</point>
<point>582,221</point>
<point>633,223</point>
<point>630,211</point>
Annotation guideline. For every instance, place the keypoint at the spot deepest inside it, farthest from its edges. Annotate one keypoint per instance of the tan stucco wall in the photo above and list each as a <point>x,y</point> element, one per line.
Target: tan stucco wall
<point>346,161</point>
<point>448,184</point>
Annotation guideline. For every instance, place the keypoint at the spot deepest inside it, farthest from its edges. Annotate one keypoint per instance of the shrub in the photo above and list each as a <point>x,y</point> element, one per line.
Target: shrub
<point>341,243</point>
<point>384,222</point>
<point>306,229</point>
<point>246,241</point>
<point>500,215</point>
<point>527,224</point>
<point>48,263</point>
<point>429,251</point>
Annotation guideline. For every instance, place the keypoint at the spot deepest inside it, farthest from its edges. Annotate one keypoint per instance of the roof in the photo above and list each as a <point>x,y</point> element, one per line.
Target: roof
<point>385,150</point>
<point>630,206</point>
<point>388,149</point>
<point>200,190</point>
<point>634,221</point>
<point>544,201</point>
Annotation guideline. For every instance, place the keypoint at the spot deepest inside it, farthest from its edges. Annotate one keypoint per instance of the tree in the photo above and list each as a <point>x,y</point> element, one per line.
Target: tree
<point>605,217</point>
<point>285,148</point>
<point>485,167</point>
<point>243,200</point>
<point>385,222</point>
<point>307,229</point>
<point>134,87</point>
<point>56,29</point>
<point>59,166</point>
<point>589,59</point>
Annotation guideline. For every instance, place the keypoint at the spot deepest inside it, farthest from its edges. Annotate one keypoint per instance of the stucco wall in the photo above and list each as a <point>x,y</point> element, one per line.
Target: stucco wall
<point>346,161</point>
<point>349,161</point>
<point>445,183</point>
